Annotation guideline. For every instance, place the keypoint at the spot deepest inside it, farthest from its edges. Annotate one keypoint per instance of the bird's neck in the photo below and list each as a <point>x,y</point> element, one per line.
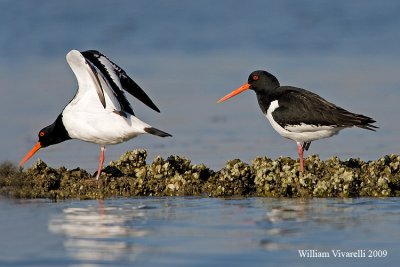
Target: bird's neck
<point>58,130</point>
<point>263,101</point>
<point>266,96</point>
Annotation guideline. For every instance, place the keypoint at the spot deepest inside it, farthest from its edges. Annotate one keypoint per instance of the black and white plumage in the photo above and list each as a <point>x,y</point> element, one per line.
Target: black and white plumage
<point>118,79</point>
<point>298,114</point>
<point>99,112</point>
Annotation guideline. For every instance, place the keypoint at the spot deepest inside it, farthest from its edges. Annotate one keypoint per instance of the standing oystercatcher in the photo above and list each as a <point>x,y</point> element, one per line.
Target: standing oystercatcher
<point>298,114</point>
<point>99,112</point>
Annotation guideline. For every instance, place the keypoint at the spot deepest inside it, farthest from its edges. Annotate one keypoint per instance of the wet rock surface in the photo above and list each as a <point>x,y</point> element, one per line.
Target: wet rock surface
<point>177,176</point>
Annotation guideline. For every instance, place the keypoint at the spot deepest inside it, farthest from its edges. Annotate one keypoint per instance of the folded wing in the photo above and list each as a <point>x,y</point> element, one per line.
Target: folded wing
<point>314,111</point>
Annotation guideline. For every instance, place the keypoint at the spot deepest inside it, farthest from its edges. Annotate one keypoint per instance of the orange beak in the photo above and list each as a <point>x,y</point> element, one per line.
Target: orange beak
<point>31,153</point>
<point>242,88</point>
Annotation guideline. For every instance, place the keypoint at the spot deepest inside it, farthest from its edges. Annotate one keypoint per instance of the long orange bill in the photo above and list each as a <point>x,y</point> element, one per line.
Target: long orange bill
<point>242,88</point>
<point>30,154</point>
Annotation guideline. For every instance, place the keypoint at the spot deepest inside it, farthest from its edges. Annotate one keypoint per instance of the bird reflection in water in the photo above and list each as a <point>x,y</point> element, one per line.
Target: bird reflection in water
<point>287,223</point>
<point>280,225</point>
<point>98,233</point>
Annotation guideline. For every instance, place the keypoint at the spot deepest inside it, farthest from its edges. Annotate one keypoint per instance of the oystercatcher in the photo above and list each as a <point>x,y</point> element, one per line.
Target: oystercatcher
<point>99,112</point>
<point>298,114</point>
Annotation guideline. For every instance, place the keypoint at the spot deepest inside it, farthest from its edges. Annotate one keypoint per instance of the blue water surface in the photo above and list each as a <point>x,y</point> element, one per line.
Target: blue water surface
<point>198,232</point>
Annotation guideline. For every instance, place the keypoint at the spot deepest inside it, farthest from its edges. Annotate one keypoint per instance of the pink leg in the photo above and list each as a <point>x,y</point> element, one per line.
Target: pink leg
<point>101,161</point>
<point>300,151</point>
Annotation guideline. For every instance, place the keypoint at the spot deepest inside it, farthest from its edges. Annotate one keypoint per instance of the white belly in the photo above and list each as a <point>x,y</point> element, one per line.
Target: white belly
<point>103,128</point>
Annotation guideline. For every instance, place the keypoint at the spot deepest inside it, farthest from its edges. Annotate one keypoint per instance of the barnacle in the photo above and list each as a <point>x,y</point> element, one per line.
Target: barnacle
<point>130,175</point>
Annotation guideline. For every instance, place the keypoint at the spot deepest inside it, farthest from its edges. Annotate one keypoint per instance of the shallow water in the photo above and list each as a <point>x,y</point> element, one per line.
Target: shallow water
<point>186,55</point>
<point>197,232</point>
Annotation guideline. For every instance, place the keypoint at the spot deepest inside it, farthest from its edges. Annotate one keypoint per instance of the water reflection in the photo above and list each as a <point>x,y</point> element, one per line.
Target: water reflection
<point>288,224</point>
<point>97,233</point>
<point>281,223</point>
<point>195,231</point>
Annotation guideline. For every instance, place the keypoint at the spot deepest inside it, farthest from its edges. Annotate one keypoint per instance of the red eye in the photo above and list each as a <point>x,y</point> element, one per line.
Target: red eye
<point>255,77</point>
<point>41,134</point>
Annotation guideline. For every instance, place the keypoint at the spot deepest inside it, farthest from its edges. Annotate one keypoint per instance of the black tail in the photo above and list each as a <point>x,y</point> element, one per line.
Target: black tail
<point>368,127</point>
<point>366,123</point>
<point>155,131</point>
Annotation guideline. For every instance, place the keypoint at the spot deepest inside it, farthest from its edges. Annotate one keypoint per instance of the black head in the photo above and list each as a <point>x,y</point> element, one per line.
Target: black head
<point>50,135</point>
<point>260,80</point>
<point>53,134</point>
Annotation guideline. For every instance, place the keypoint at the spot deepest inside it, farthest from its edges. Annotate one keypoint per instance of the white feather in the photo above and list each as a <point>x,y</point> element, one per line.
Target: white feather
<point>111,71</point>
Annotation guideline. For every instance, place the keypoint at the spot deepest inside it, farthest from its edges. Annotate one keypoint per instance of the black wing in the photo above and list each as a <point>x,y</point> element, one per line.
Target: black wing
<point>299,105</point>
<point>110,70</point>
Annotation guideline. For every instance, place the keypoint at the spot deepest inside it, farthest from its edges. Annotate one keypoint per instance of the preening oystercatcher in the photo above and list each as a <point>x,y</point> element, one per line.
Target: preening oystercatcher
<point>99,112</point>
<point>298,114</point>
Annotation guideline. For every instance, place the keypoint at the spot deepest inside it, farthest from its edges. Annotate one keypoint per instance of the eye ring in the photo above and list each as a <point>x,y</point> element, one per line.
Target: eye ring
<point>255,77</point>
<point>41,134</point>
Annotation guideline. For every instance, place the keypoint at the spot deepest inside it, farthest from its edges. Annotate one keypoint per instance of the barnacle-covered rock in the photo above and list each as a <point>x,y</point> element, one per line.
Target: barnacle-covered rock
<point>275,178</point>
<point>334,178</point>
<point>8,174</point>
<point>158,172</point>
<point>235,179</point>
<point>176,176</point>
<point>74,184</point>
<point>132,163</point>
<point>44,179</point>
<point>337,183</point>
<point>381,177</point>
<point>13,180</point>
<point>188,182</point>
